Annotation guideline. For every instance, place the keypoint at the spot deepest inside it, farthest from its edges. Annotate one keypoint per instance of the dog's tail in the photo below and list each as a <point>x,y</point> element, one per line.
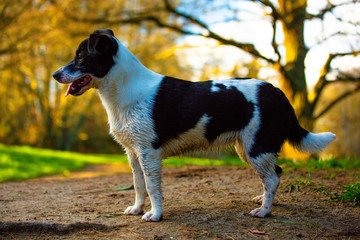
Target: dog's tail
<point>309,142</point>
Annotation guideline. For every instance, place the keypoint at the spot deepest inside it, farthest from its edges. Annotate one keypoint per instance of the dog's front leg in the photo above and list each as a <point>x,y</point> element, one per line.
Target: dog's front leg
<point>139,185</point>
<point>151,164</point>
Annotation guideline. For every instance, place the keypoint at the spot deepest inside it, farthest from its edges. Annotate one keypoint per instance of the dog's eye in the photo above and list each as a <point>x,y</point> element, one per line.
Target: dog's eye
<point>80,58</point>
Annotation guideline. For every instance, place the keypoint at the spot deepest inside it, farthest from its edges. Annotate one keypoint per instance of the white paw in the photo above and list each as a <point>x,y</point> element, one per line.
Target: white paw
<point>134,210</point>
<point>260,212</point>
<point>258,199</point>
<point>152,216</point>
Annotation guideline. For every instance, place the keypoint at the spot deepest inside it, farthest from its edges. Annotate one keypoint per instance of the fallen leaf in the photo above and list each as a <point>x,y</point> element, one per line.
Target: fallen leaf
<point>125,188</point>
<point>255,231</point>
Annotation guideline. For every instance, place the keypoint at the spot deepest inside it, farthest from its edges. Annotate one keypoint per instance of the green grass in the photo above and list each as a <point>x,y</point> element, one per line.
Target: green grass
<point>299,183</point>
<point>184,160</point>
<point>24,162</point>
<point>351,193</point>
<point>316,164</point>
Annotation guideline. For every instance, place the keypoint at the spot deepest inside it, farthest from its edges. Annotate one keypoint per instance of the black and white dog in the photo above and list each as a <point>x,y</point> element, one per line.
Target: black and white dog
<point>154,117</point>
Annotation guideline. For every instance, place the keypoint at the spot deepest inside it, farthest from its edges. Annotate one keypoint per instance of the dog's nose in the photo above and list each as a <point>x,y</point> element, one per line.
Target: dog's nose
<point>57,75</point>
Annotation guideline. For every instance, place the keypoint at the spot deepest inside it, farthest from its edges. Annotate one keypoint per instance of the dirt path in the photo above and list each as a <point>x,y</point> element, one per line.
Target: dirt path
<point>200,203</point>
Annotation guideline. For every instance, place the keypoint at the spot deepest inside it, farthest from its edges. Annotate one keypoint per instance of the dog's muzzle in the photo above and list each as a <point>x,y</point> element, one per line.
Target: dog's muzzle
<point>57,75</point>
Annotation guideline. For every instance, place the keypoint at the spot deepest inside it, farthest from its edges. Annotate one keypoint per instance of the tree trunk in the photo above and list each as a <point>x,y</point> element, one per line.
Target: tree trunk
<point>293,82</point>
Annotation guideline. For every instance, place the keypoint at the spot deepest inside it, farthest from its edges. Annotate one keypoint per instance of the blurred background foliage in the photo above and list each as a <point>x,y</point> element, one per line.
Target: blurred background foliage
<point>180,38</point>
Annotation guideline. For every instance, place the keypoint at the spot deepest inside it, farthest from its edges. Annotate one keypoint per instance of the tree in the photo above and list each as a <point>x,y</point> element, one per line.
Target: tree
<point>194,18</point>
<point>36,39</point>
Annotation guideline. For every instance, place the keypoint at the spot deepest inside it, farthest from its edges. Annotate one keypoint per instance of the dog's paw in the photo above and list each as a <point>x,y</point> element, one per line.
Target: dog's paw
<point>258,199</point>
<point>260,212</point>
<point>152,216</point>
<point>134,210</point>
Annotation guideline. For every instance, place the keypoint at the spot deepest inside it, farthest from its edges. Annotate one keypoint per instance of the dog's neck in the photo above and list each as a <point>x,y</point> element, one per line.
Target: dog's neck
<point>127,83</point>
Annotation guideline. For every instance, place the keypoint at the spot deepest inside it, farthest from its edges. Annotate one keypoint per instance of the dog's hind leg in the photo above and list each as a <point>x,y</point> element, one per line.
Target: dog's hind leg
<point>139,185</point>
<point>264,165</point>
<point>243,156</point>
<point>151,164</point>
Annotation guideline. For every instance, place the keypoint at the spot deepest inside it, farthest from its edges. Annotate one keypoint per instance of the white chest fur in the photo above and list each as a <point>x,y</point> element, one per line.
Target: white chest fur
<point>127,93</point>
<point>131,127</point>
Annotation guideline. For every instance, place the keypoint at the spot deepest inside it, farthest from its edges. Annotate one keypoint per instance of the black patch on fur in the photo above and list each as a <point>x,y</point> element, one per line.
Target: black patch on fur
<point>221,86</point>
<point>278,170</point>
<point>180,104</point>
<point>277,121</point>
<point>297,133</point>
<point>94,55</point>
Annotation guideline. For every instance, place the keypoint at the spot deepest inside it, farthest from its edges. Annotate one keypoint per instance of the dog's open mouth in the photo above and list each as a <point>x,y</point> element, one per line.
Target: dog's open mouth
<point>76,86</point>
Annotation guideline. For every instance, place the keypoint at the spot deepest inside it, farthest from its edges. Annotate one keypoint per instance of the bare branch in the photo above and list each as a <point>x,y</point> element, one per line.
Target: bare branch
<point>353,53</point>
<point>274,12</point>
<point>327,66</point>
<point>323,81</point>
<point>188,17</point>
<point>337,100</point>
<point>144,16</point>
<point>344,77</point>
<point>338,33</point>
<point>328,9</point>
<point>275,17</point>
<point>247,47</point>
<point>132,20</point>
<point>273,40</point>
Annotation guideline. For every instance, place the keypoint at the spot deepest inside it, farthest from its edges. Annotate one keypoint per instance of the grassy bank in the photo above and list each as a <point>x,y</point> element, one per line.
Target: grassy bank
<point>23,162</point>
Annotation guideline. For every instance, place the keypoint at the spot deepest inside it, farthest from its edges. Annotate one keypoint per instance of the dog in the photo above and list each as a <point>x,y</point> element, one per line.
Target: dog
<point>154,116</point>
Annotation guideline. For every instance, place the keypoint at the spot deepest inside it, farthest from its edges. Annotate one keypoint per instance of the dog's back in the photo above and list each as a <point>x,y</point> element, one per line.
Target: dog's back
<point>207,115</point>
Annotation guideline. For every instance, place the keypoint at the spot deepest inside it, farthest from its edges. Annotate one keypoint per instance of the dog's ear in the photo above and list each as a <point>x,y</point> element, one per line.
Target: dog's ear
<point>101,44</point>
<point>104,31</point>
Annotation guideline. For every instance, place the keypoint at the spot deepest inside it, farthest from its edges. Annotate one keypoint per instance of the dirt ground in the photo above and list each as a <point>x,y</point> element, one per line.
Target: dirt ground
<point>200,203</point>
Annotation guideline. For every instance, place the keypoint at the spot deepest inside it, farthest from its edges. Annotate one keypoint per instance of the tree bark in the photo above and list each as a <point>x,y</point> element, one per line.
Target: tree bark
<point>293,81</point>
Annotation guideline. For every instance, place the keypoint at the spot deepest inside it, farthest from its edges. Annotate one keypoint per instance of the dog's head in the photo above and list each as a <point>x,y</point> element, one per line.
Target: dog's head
<point>93,60</point>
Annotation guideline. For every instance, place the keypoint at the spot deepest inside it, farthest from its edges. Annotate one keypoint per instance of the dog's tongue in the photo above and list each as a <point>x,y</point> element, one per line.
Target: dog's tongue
<point>69,89</point>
